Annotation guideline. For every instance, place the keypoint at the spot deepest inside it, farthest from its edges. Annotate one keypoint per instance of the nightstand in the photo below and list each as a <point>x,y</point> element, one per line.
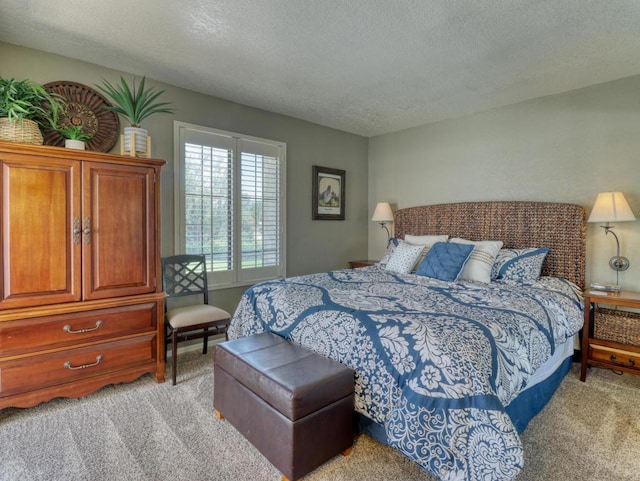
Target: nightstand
<point>606,353</point>
<point>363,263</point>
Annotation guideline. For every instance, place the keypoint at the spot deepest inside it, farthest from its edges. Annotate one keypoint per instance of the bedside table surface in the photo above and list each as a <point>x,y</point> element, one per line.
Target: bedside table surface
<point>622,298</point>
<point>362,263</point>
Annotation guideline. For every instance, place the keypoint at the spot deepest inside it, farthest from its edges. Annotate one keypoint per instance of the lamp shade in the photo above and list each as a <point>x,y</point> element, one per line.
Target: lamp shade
<point>611,207</point>
<point>382,213</point>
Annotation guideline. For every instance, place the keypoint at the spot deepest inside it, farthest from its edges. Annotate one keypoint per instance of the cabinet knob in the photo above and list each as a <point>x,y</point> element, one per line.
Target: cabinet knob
<point>76,230</point>
<point>87,231</point>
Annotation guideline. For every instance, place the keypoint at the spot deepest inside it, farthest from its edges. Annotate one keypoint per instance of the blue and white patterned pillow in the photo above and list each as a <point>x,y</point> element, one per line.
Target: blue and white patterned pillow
<point>404,257</point>
<point>445,261</point>
<point>391,247</point>
<point>519,265</point>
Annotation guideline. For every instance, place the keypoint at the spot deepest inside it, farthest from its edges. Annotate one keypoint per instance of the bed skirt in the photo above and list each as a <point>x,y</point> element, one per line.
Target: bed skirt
<point>522,410</point>
<point>531,401</point>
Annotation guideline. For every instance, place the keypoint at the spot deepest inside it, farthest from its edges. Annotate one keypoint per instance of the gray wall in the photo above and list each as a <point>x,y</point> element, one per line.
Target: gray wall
<point>561,148</point>
<point>312,246</point>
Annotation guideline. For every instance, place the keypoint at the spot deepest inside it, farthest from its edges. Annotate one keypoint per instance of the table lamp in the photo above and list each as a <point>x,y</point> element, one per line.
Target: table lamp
<point>383,215</point>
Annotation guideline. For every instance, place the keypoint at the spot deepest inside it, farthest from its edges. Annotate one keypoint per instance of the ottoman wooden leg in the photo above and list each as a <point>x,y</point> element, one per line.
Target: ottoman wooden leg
<point>346,452</point>
<point>218,414</point>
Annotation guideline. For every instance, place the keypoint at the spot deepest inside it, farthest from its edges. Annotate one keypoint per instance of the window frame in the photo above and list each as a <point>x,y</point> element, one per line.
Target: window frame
<point>236,277</point>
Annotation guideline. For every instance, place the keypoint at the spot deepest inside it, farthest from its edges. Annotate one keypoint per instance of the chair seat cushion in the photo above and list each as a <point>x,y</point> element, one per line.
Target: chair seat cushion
<point>192,315</point>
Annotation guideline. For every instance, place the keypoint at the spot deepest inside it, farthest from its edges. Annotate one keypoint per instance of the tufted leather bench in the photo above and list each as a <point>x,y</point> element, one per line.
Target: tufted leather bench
<point>293,405</point>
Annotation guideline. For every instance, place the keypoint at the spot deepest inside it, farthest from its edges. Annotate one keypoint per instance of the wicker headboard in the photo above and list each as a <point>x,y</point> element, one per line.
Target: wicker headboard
<point>560,227</point>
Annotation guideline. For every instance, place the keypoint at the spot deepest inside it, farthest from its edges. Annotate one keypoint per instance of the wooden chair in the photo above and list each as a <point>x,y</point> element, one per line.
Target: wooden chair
<point>186,275</point>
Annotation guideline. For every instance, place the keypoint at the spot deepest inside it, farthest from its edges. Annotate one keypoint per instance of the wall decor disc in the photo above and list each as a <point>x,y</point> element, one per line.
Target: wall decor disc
<point>84,107</point>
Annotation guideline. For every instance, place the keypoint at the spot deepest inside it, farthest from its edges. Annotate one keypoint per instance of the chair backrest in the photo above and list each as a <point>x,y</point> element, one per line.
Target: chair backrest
<point>185,275</point>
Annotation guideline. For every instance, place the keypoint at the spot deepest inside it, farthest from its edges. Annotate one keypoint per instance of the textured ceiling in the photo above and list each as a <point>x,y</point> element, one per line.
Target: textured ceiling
<point>363,66</point>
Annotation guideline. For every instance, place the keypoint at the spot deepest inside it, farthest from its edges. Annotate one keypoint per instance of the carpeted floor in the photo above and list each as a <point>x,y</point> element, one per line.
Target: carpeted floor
<point>148,432</point>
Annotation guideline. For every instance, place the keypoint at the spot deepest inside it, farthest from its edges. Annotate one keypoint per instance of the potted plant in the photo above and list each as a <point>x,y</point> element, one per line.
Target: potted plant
<point>25,106</point>
<point>135,105</point>
<point>74,136</point>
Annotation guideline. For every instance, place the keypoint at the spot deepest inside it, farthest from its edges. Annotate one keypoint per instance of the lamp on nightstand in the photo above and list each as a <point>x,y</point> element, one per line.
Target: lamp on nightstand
<point>612,207</point>
<point>383,215</point>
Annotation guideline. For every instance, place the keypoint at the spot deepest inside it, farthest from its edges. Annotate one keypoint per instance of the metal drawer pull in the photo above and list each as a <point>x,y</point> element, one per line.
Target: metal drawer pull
<point>67,365</point>
<point>67,328</point>
<point>632,362</point>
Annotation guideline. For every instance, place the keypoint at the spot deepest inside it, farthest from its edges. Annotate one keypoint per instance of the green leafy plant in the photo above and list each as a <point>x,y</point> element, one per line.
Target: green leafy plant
<point>24,99</point>
<point>73,132</point>
<point>134,104</point>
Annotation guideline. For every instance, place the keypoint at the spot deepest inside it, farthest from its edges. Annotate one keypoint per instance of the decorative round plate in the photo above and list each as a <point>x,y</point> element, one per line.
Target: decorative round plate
<point>84,107</point>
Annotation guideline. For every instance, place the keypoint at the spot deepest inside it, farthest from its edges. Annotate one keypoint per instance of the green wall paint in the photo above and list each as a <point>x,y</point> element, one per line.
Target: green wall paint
<point>312,246</point>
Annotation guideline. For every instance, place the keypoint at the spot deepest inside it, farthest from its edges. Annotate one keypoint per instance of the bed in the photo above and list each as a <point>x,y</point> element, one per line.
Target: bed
<point>447,372</point>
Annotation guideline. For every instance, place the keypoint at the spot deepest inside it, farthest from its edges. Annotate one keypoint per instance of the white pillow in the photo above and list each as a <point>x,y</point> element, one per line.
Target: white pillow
<point>478,267</point>
<point>424,240</point>
<point>404,258</point>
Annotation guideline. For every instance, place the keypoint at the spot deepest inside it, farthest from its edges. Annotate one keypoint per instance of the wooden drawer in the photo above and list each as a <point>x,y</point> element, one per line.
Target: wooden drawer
<point>51,332</point>
<point>40,371</point>
<point>615,356</point>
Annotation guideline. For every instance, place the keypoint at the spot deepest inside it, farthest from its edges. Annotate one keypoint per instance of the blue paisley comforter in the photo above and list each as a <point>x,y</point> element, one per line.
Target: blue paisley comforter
<point>436,363</point>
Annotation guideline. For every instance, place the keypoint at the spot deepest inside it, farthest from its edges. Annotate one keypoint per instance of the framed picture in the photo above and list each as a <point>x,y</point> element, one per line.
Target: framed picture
<point>328,193</point>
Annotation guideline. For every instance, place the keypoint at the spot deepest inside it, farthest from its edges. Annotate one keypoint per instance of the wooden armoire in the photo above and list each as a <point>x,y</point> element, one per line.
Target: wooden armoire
<point>81,303</point>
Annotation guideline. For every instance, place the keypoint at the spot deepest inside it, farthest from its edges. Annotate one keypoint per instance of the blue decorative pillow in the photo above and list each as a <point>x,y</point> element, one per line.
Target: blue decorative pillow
<point>424,240</point>
<point>519,265</point>
<point>445,261</point>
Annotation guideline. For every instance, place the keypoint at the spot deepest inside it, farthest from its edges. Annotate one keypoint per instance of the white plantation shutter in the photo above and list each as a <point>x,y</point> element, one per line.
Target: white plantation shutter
<point>259,210</point>
<point>230,203</point>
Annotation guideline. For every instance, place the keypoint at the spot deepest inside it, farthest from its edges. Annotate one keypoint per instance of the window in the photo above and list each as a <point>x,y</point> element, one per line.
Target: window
<point>230,203</point>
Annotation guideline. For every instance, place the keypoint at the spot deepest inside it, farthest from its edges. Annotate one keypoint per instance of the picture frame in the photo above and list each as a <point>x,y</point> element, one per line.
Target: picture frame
<point>328,193</point>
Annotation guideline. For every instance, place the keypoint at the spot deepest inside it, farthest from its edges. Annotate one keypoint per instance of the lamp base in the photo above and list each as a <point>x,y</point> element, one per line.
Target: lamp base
<point>619,263</point>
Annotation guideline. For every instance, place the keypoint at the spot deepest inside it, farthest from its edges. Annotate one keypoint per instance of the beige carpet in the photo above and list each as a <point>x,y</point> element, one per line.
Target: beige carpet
<point>144,431</point>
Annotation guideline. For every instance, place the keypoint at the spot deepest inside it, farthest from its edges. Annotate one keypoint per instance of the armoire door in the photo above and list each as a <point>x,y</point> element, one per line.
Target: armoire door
<point>41,243</point>
<point>119,230</point>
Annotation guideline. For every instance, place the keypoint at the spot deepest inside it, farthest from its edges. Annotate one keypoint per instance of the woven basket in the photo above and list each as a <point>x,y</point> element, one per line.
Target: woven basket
<point>617,326</point>
<point>25,131</point>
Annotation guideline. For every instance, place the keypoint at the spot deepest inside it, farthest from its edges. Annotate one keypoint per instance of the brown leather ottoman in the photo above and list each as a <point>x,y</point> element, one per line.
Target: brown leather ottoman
<point>293,405</point>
